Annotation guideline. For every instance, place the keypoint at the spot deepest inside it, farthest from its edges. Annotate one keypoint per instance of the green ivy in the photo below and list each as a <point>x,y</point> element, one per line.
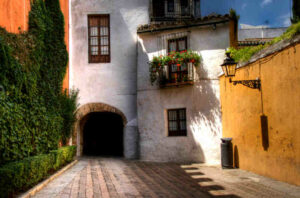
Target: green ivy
<point>245,54</point>
<point>35,113</point>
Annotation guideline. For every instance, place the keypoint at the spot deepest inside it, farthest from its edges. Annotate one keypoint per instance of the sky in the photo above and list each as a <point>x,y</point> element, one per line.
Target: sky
<point>271,13</point>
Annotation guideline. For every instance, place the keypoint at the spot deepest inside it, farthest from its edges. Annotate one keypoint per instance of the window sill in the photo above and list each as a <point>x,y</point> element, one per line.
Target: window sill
<point>177,84</point>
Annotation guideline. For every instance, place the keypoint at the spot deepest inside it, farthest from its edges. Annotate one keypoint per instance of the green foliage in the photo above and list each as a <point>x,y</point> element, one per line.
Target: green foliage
<point>63,156</point>
<point>158,62</point>
<point>293,30</point>
<point>244,54</point>
<point>20,175</point>
<point>233,15</point>
<point>68,107</point>
<point>35,113</point>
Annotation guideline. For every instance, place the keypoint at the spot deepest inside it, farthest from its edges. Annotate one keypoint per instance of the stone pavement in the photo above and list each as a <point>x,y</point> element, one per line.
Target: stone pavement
<point>111,177</point>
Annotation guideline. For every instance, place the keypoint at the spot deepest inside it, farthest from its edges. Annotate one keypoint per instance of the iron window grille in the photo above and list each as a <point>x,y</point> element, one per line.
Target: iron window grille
<point>165,10</point>
<point>99,38</point>
<point>177,122</point>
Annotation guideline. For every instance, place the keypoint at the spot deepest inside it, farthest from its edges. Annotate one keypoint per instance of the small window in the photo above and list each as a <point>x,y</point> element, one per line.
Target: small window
<point>158,8</point>
<point>177,44</point>
<point>171,6</point>
<point>177,122</point>
<point>99,38</point>
<point>184,7</point>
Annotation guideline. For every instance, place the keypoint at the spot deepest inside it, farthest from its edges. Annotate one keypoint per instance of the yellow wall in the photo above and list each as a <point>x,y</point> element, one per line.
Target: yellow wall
<point>280,98</point>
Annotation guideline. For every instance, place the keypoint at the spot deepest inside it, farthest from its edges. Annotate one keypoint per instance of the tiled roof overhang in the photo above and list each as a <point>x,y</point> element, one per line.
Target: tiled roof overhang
<point>254,41</point>
<point>170,25</point>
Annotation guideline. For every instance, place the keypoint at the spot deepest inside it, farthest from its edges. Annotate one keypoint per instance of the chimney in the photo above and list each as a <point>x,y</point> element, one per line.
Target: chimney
<point>233,32</point>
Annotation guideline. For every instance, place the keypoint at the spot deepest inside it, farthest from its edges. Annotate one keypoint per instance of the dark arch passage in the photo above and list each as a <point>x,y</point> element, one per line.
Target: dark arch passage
<point>103,134</point>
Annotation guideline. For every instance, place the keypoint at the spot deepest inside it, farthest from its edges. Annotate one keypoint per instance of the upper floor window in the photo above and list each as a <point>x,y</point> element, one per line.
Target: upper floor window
<point>99,38</point>
<point>176,72</point>
<point>174,9</point>
<point>171,6</point>
<point>177,44</point>
<point>185,7</point>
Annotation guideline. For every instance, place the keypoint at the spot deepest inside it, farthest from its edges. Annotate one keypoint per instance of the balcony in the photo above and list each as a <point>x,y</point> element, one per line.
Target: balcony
<point>176,75</point>
<point>174,69</point>
<point>172,10</point>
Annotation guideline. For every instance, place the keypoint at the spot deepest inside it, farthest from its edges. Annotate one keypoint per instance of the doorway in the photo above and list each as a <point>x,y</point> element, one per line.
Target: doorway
<point>103,134</point>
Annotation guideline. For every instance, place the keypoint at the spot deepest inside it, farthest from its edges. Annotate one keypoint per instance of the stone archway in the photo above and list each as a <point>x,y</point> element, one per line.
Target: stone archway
<point>81,117</point>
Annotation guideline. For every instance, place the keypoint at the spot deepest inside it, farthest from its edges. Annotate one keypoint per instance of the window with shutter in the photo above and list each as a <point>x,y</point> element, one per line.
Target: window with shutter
<point>99,38</point>
<point>177,72</point>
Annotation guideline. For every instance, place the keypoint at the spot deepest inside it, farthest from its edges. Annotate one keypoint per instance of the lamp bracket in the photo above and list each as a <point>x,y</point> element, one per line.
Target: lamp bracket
<point>253,84</point>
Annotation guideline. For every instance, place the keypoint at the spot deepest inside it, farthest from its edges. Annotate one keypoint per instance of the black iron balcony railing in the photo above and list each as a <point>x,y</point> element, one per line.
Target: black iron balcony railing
<point>176,75</point>
<point>165,10</point>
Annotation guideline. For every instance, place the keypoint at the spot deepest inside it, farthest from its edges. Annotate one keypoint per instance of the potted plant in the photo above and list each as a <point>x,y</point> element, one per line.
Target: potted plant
<point>173,58</point>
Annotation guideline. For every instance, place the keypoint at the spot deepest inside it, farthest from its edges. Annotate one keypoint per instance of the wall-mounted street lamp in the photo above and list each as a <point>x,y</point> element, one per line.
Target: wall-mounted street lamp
<point>229,69</point>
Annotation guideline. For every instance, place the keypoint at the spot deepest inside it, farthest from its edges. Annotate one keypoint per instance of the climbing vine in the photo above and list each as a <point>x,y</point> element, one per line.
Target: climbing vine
<point>35,113</point>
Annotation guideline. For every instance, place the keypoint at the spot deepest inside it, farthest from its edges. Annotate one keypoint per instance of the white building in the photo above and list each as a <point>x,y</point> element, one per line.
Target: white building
<point>120,112</point>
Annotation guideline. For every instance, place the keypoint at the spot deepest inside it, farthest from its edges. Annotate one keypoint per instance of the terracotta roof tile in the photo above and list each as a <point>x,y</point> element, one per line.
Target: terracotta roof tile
<point>254,41</point>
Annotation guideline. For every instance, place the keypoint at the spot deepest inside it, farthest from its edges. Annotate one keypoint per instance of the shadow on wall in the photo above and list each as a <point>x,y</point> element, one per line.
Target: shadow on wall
<point>264,131</point>
<point>206,115</point>
<point>236,157</point>
<point>152,103</point>
<point>201,100</point>
<point>206,92</point>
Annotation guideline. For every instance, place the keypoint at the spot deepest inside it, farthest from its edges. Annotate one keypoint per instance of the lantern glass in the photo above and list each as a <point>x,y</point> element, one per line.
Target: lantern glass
<point>224,68</point>
<point>231,69</point>
<point>229,66</point>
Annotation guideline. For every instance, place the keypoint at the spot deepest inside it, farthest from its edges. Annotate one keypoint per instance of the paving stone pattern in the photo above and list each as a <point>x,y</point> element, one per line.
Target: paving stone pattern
<point>111,177</point>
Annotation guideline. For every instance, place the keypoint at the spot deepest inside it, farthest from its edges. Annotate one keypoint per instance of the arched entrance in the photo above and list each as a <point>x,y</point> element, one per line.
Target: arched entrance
<point>103,134</point>
<point>97,126</point>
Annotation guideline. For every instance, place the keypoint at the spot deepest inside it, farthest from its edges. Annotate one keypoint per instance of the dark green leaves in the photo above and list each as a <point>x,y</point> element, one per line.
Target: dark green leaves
<point>35,114</point>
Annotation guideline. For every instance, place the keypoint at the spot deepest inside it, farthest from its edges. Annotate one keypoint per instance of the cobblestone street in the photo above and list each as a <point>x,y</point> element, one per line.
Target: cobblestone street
<point>111,177</point>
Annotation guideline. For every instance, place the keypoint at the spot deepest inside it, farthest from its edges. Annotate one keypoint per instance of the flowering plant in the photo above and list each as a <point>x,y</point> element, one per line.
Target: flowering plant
<point>179,58</point>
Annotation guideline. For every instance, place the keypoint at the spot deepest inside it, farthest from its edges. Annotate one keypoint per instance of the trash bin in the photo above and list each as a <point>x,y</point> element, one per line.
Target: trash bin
<point>226,153</point>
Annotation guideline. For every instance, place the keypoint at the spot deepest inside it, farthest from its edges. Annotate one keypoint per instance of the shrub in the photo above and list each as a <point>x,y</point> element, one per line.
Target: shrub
<point>68,106</point>
<point>20,175</point>
<point>63,155</point>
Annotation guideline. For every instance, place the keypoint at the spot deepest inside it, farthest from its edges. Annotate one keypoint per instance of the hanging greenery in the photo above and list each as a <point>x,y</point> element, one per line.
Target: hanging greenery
<point>35,113</point>
<point>179,58</point>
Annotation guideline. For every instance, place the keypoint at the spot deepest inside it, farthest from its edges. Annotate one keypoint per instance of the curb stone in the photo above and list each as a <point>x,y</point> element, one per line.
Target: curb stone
<point>41,185</point>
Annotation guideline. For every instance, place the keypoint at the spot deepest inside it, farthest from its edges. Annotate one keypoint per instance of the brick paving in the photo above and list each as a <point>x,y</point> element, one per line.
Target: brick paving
<point>111,177</point>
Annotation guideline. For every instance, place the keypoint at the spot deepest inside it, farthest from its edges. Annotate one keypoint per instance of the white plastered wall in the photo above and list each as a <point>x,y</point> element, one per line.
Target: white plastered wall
<point>201,100</point>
